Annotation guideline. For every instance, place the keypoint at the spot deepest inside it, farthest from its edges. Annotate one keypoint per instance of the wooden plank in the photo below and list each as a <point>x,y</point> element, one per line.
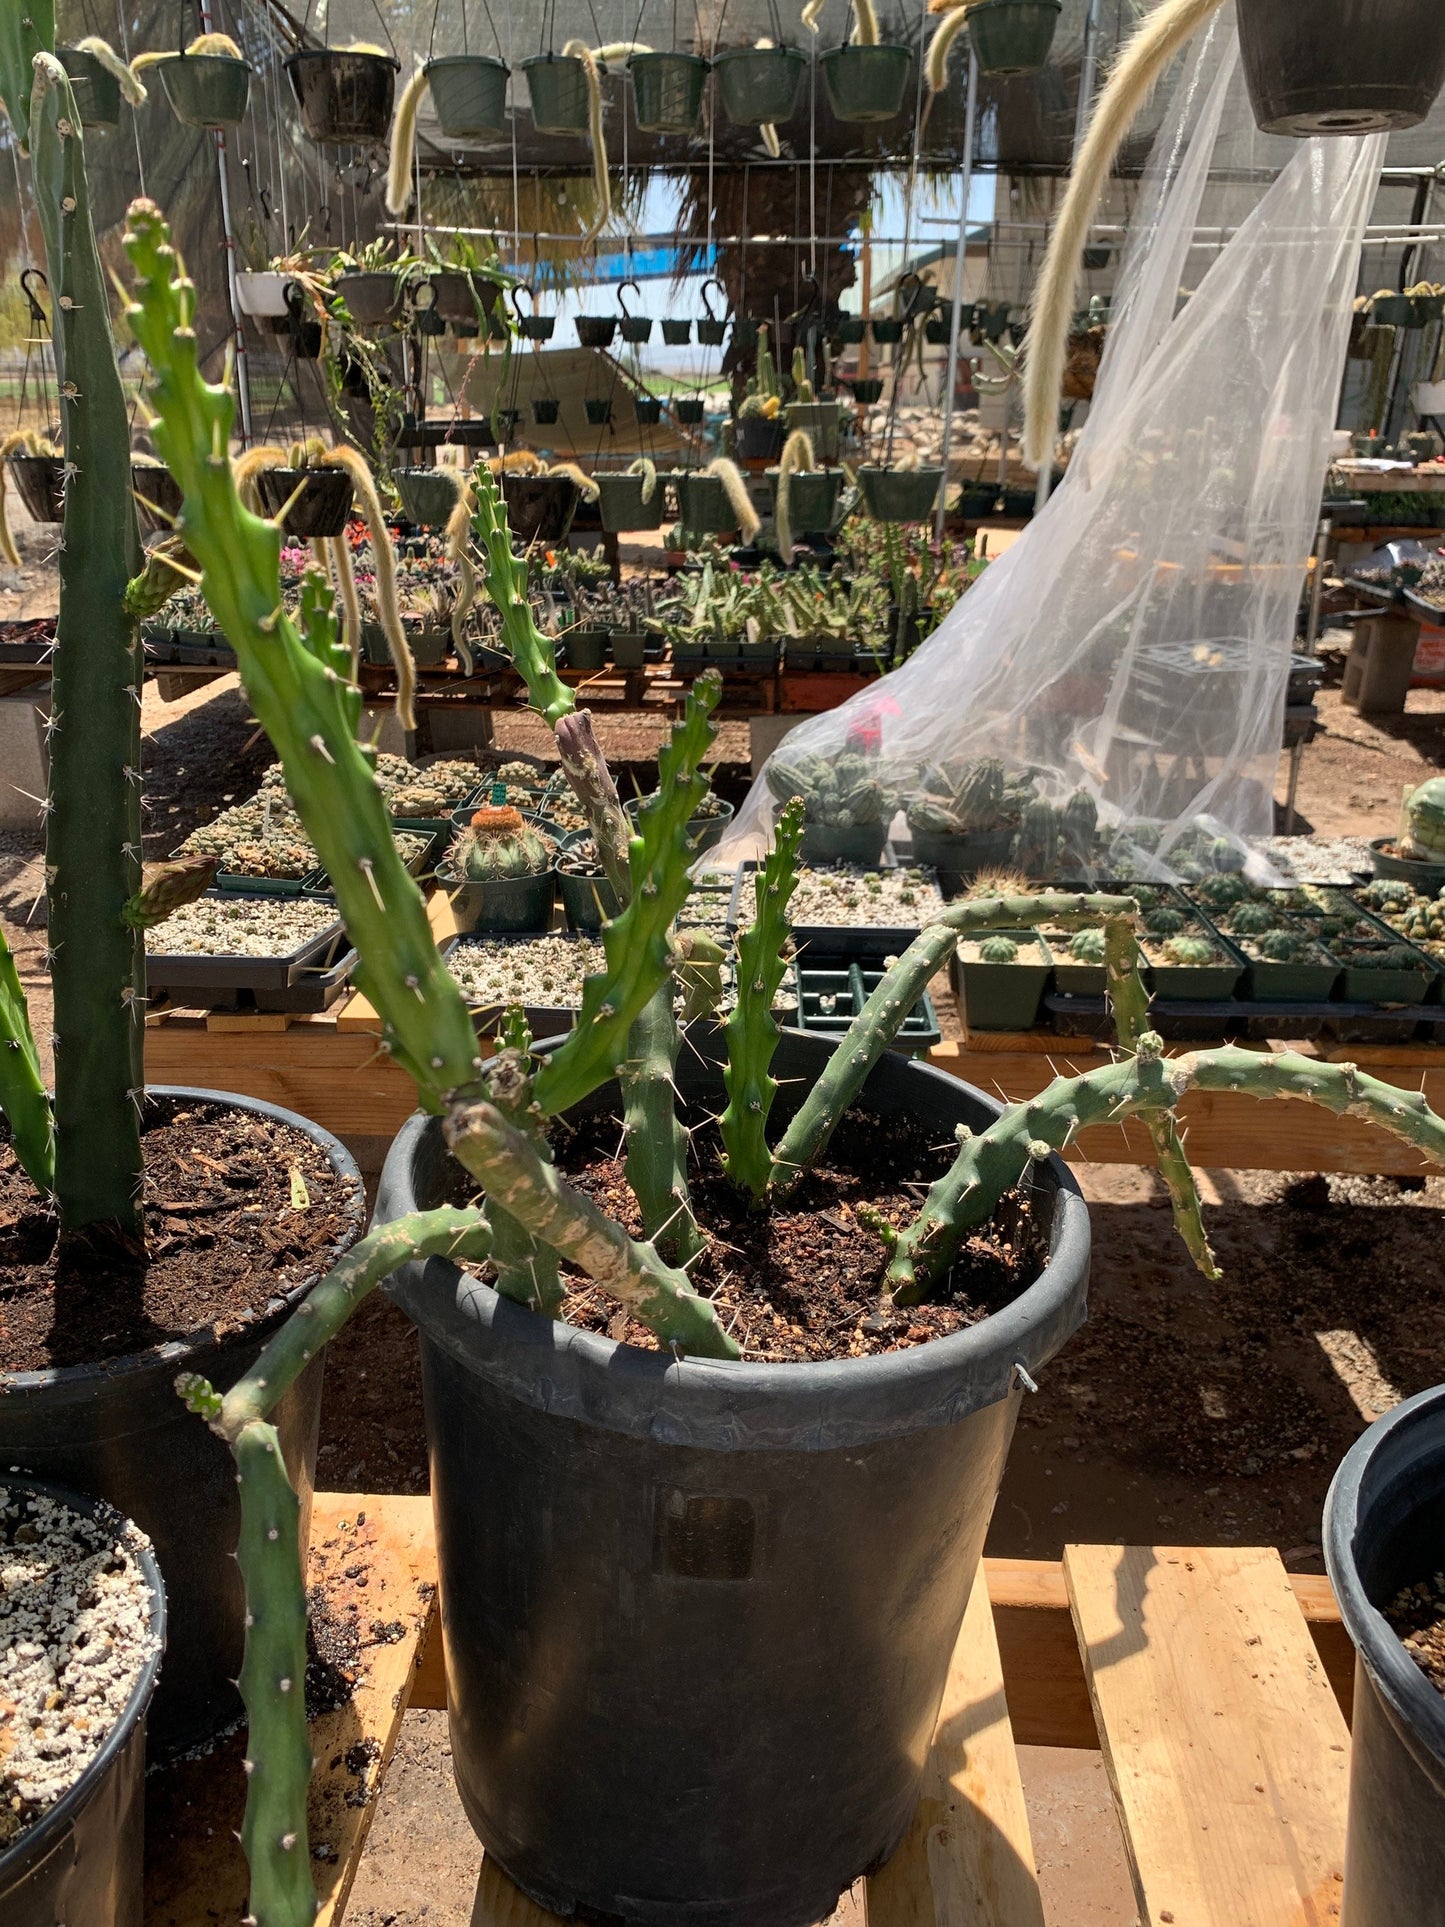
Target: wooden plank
<point>342,1081</point>
<point>249,1020</point>
<point>968,1855</point>
<point>374,1560</point>
<point>1225,1747</point>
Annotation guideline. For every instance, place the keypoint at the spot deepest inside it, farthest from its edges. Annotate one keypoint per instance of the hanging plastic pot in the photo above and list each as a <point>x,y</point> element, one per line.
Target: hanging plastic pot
<point>596,330</point>
<point>158,497</point>
<point>430,321</point>
<point>344,97</point>
<point>745,332</point>
<point>813,499</point>
<point>704,506</point>
<point>689,409</point>
<point>667,91</point>
<point>469,94</point>
<point>757,438</point>
<point>1343,66</point>
<point>557,84</point>
<point>1013,36</point>
<point>635,328</point>
<point>97,93</point>
<point>938,331</point>
<point>648,410</point>
<point>849,329</point>
<point>821,419</point>
<point>544,410</point>
<point>374,297</point>
<point>759,86</point>
<point>321,507</point>
<point>539,507</point>
<point>464,294</point>
<point>712,331</point>
<point>40,484</point>
<point>867,390</point>
<point>677,334</point>
<point>1393,311</point>
<point>887,330</point>
<point>900,494</point>
<point>264,293</point>
<point>428,495</point>
<point>505,421</point>
<point>207,90</point>
<point>620,503</point>
<point>599,411</point>
<point>866,83</point>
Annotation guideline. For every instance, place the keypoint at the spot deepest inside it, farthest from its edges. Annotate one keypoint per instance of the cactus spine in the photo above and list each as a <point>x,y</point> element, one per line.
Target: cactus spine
<point>752,1032</point>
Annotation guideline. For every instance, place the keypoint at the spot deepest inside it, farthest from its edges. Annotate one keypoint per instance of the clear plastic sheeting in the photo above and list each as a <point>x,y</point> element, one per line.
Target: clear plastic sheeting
<point>1125,662</point>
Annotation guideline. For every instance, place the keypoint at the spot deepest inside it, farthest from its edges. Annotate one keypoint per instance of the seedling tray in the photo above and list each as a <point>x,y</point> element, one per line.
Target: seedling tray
<point>543,1020</point>
<point>292,982</point>
<point>850,984</point>
<point>853,940</point>
<point>235,883</point>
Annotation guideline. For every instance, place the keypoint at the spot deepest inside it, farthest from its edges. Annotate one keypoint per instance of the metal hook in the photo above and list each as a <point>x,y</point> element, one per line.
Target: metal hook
<point>714,282</point>
<point>622,288</point>
<point>37,313</point>
<point>526,288</point>
<point>914,285</point>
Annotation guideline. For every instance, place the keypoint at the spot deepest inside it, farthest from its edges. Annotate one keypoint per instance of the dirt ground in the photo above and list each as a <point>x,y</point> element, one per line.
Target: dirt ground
<point>1182,1413</point>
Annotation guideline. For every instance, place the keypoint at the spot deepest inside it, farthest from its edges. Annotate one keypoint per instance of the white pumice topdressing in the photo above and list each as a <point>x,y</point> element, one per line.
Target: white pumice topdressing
<point>851,897</point>
<point>74,1638</point>
<point>241,927</point>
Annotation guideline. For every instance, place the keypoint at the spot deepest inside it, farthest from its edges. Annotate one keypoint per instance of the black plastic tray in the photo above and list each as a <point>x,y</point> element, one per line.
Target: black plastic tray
<point>852,983</point>
<point>543,1020</point>
<point>830,939</point>
<point>1237,1018</point>
<point>307,979</point>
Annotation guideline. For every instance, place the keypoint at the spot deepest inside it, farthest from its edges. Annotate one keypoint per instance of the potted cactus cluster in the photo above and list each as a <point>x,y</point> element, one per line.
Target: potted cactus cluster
<point>656,1486</point>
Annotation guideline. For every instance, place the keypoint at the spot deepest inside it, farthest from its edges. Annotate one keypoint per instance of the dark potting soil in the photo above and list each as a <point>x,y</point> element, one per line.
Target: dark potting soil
<point>239,1210</point>
<point>800,1284</point>
<point>1418,1617</point>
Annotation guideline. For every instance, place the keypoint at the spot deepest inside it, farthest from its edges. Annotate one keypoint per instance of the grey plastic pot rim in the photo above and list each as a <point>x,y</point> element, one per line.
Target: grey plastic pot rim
<point>1390,1453</point>
<point>75,1378</point>
<point>37,1841</point>
<point>729,1405</point>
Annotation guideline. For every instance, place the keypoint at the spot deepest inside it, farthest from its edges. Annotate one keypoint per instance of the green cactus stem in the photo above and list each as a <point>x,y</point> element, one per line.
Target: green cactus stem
<point>989,1165</point>
<point>637,942</point>
<point>295,681</point>
<point>586,770</point>
<point>656,1140</point>
<point>533,655</point>
<point>24,1099</point>
<point>168,887</point>
<point>523,1268</point>
<point>876,1025</point>
<point>93,815</point>
<point>697,961</point>
<point>752,1031</point>
<point>509,1169</point>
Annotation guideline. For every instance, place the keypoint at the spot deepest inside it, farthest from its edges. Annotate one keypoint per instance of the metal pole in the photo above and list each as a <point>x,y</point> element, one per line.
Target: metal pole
<point>1317,585</point>
<point>1088,74</point>
<point>228,244</point>
<point>960,260</point>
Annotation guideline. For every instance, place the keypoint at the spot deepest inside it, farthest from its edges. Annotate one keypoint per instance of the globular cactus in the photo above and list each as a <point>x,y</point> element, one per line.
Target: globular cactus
<point>1422,832</point>
<point>1036,847</point>
<point>500,843</point>
<point>1253,919</point>
<point>802,386</point>
<point>1087,947</point>
<point>1388,893</point>
<point>1165,921</point>
<point>1226,855</point>
<point>1282,946</point>
<point>838,791</point>
<point>1079,822</point>
<point>1222,891</point>
<point>998,950</point>
<point>977,795</point>
<point>1189,951</point>
<point>1395,956</point>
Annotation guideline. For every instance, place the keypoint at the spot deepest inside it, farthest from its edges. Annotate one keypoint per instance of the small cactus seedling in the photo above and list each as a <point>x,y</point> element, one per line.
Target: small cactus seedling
<point>1388,893</point>
<point>1087,947</point>
<point>1165,921</point>
<point>998,950</point>
<point>1191,952</point>
<point>1281,946</point>
<point>500,843</point>
<point>1253,919</point>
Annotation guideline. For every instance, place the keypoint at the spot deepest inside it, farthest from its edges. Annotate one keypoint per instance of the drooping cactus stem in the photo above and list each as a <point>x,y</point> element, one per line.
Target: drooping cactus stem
<point>507,1166</point>
<point>935,66</point>
<point>399,169</point>
<point>797,455</point>
<point>656,1140</point>
<point>459,550</point>
<point>24,1100</point>
<point>533,655</point>
<point>637,942</point>
<point>294,679</point>
<point>383,561</point>
<point>586,770</point>
<point>752,1030</point>
<point>736,490</point>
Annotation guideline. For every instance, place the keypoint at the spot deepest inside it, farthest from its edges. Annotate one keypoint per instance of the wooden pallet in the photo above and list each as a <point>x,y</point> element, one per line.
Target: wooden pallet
<point>1213,1682</point>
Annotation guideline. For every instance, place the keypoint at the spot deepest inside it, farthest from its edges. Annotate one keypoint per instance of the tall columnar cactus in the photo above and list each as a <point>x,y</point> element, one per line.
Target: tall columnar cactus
<point>655,1138</point>
<point>752,1030</point>
<point>93,813</point>
<point>533,655</point>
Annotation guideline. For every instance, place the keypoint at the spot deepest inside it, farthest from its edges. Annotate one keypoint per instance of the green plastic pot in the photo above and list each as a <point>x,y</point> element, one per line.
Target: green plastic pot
<point>40,483</point>
<point>858,843</point>
<point>1013,36</point>
<point>900,494</point>
<point>469,94</point>
<point>756,438</point>
<point>628,647</point>
<point>588,901</point>
<point>501,905</point>
<point>620,503</point>
<point>540,507</point>
<point>1394,311</point>
<point>760,85</point>
<point>207,90</point>
<point>667,91</point>
<point>428,495</point>
<point>813,499</point>
<point>1078,979</point>
<point>866,83</point>
<point>585,649</point>
<point>97,93</point>
<point>821,420</point>
<point>545,410</point>
<point>676,334</point>
<point>1003,996</point>
<point>1363,985</point>
<point>373,297</point>
<point>557,85</point>
<point>1296,983</point>
<point>598,411</point>
<point>463,294</point>
<point>704,506</point>
<point>1194,983</point>
<point>689,410</point>
<point>1355,67</point>
<point>319,499</point>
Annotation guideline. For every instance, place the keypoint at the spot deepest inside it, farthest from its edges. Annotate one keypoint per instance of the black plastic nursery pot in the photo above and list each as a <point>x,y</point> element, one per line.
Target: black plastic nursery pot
<point>757,438</point>
<point>636,328</point>
<point>835,843</point>
<point>886,330</point>
<point>759,85</point>
<point>557,86</point>
<point>428,495</point>
<point>867,390</point>
<point>539,507</point>
<point>1427,877</point>
<point>1351,67</point>
<point>676,334</point>
<point>703,832</point>
<point>469,94</point>
<point>321,507</point>
<point>849,329</point>
<point>822,420</point>
<point>207,90</point>
<point>667,91</point>
<point>500,905</point>
<point>585,649</point>
<point>464,295</point>
<point>1013,36</point>
<point>596,330</point>
<point>647,409</point>
<point>545,410</point>
<point>741,1583</point>
<point>1004,996</point>
<point>621,506</point>
<point>589,901</point>
<point>598,411</point>
<point>703,505</point>
<point>343,96</point>
<point>1383,1530</point>
<point>40,483</point>
<point>866,83</point>
<point>956,856</point>
<point>628,647</point>
<point>900,494</point>
<point>373,297</point>
<point>711,333</point>
<point>97,93</point>
<point>813,499</point>
<point>690,410</point>
<point>158,496</point>
<point>119,1430</point>
<point>82,1861</point>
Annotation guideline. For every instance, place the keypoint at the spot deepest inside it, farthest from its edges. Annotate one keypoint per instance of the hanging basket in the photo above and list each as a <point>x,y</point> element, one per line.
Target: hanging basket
<point>263,293</point>
<point>648,410</point>
<point>1393,311</point>
<point>599,411</point>
<point>704,506</point>
<point>900,494</point>
<point>374,298</point>
<point>469,95</point>
<point>557,84</point>
<point>849,329</point>
<point>813,499</point>
<point>321,508</point>
<point>158,497</point>
<point>463,294</point>
<point>97,93</point>
<point>711,333</point>
<point>677,334</point>
<point>40,484</point>
<point>821,420</point>
<point>866,83</point>
<point>545,410</point>
<point>428,495</point>
<point>596,330</point>
<point>760,85</point>
<point>538,327</point>
<point>745,332</point>
<point>344,97</point>
<point>757,438</point>
<point>620,503</point>
<point>635,328</point>
<point>887,330</point>
<point>1013,36</point>
<point>207,90</point>
<point>867,390</point>
<point>667,91</point>
<point>1342,66</point>
<point>539,507</point>
<point>690,410</point>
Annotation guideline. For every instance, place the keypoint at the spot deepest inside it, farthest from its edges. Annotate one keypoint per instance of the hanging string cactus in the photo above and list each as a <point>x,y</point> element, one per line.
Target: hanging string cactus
<point>101,51</point>
<point>593,59</point>
<point>402,156</point>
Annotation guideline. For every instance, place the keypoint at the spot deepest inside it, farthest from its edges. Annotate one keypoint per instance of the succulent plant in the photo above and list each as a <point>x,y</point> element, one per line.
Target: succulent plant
<point>1422,832</point>
<point>1164,921</point>
<point>1388,893</point>
<point>838,791</point>
<point>1282,946</point>
<point>500,843</point>
<point>1226,855</point>
<point>998,950</point>
<point>1422,922</point>
<point>1079,821</point>
<point>1222,890</point>
<point>1253,919</point>
<point>960,797</point>
<point>1190,951</point>
<point>1088,947</point>
<point>1036,847</point>
<point>1394,956</point>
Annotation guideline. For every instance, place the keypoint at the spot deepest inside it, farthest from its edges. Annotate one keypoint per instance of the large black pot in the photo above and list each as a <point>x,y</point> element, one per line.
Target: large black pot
<point>319,499</point>
<point>82,1861</point>
<point>96,90</point>
<point>1341,66</point>
<point>119,1430</point>
<point>40,484</point>
<point>343,97</point>
<point>699,1614</point>
<point>1385,1530</point>
<point>540,507</point>
<point>207,90</point>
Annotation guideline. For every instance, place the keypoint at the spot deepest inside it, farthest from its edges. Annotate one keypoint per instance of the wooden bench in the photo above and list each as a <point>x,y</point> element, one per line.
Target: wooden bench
<point>1214,1683</point>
